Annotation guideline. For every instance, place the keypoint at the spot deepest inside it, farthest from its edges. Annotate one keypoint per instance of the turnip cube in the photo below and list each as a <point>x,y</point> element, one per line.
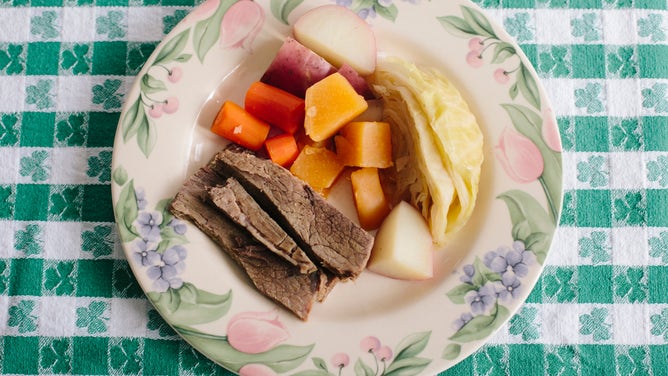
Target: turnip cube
<point>403,248</point>
<point>339,35</point>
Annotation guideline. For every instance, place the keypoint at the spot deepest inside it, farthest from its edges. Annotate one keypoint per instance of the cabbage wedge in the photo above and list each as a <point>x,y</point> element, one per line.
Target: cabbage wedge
<point>437,144</point>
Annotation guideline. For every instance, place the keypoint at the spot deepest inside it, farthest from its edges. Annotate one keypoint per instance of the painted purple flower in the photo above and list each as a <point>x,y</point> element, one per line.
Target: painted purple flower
<point>482,299</point>
<point>177,225</point>
<point>145,254</point>
<point>366,13</point>
<point>344,3</point>
<point>165,272</point>
<point>462,320</point>
<point>149,225</point>
<point>510,286</point>
<point>505,260</point>
<point>469,272</point>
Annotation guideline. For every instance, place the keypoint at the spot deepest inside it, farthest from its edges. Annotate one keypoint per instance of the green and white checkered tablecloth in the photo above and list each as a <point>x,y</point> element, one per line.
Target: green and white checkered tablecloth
<point>69,303</point>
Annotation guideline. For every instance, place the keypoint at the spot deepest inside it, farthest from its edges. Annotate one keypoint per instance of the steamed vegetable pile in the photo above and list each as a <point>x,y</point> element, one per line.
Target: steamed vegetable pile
<point>326,107</point>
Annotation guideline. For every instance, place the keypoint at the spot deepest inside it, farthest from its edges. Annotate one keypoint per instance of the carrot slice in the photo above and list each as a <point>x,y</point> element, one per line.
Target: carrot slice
<point>237,125</point>
<point>275,106</point>
<point>282,149</point>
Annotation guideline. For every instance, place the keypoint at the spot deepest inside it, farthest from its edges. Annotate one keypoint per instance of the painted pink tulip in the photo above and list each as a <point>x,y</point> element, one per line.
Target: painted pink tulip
<point>501,76</point>
<point>171,105</point>
<point>550,132</point>
<point>519,156</point>
<point>384,353</point>
<point>256,370</point>
<point>241,24</point>
<point>175,74</point>
<point>476,44</point>
<point>256,332</point>
<point>340,360</point>
<point>369,344</point>
<point>474,59</point>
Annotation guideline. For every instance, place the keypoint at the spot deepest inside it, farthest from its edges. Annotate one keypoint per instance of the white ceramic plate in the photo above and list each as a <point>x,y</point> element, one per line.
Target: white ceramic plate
<point>374,325</point>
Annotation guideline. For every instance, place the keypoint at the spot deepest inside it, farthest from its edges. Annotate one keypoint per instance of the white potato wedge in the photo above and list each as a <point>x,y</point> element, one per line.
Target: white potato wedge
<point>403,248</point>
<point>339,35</point>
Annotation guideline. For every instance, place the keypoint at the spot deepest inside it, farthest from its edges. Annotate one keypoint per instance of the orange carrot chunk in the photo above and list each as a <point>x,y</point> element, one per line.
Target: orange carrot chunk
<point>370,202</point>
<point>365,144</point>
<point>282,149</point>
<point>275,106</point>
<point>237,125</point>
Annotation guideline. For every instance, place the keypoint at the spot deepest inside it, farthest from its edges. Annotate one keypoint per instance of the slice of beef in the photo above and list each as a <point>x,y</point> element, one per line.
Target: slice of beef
<point>322,231</point>
<point>233,200</point>
<point>271,274</point>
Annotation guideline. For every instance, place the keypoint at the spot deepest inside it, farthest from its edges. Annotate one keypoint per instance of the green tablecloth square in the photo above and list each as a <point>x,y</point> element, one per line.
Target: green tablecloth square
<point>109,58</point>
<point>592,134</point>
<point>111,3</point>
<point>526,360</point>
<point>590,60</point>
<point>536,295</point>
<point>65,203</point>
<point>651,4</point>
<point>597,359</point>
<point>102,128</point>
<point>178,2</point>
<point>37,129</point>
<point>42,58</point>
<point>19,355</point>
<point>155,363</point>
<point>25,277</point>
<point>522,4</point>
<point>629,208</point>
<point>593,208</point>
<point>89,355</point>
<point>658,356</point>
<point>658,284</point>
<point>59,278</point>
<point>655,132</point>
<point>657,201</point>
<point>31,202</point>
<point>531,52</point>
<point>653,60</point>
<point>10,129</point>
<point>94,278</point>
<point>96,206</point>
<point>71,129</point>
<point>594,284</point>
<point>46,3</point>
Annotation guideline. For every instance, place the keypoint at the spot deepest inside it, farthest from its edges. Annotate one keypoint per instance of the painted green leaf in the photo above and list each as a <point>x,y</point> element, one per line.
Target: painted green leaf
<point>528,218</point>
<point>150,84</point>
<point>134,118</point>
<point>412,345</point>
<point>120,175</point>
<point>207,31</point>
<point>457,26</point>
<point>320,363</point>
<point>451,351</point>
<point>362,369</point>
<point>389,12</point>
<point>189,305</point>
<point>147,136</point>
<point>183,58</point>
<point>312,372</point>
<point>407,367</point>
<point>281,359</point>
<point>513,91</point>
<point>528,86</point>
<point>529,123</point>
<point>478,22</point>
<point>457,294</point>
<point>173,48</point>
<point>281,9</point>
<point>503,51</point>
<point>126,212</point>
<point>482,326</point>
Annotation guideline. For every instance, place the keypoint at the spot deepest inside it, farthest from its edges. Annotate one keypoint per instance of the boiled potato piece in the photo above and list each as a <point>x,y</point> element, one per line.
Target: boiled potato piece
<point>403,248</point>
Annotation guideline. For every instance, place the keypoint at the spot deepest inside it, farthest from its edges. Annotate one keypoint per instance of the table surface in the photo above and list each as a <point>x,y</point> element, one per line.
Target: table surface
<point>70,304</point>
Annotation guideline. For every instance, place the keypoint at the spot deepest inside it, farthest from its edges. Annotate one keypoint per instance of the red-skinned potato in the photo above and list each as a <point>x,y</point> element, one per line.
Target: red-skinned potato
<point>339,35</point>
<point>295,68</point>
